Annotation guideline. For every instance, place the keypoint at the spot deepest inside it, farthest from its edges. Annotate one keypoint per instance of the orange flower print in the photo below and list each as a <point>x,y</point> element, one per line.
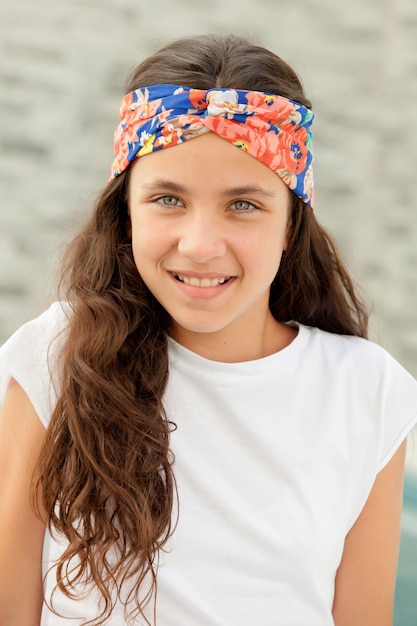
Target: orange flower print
<point>271,128</point>
<point>273,107</point>
<point>197,99</point>
<point>227,129</point>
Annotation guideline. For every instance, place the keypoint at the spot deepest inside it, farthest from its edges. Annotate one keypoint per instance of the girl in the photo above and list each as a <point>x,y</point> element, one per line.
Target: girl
<point>199,433</point>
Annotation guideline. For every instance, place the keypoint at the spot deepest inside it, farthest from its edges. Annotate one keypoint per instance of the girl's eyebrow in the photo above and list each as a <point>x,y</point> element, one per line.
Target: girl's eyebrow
<point>248,190</point>
<point>162,184</point>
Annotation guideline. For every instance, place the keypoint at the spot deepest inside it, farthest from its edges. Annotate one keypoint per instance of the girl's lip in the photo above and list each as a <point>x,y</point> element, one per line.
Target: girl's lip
<point>199,275</point>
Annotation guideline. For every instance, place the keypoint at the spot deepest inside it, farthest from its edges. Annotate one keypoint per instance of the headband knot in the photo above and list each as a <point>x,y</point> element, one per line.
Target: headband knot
<point>273,129</point>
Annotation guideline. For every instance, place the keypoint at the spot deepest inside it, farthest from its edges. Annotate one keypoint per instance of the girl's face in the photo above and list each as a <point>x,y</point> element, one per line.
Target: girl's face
<point>209,224</point>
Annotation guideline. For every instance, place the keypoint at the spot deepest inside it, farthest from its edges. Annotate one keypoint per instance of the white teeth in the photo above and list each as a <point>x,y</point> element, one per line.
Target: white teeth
<point>203,282</point>
<point>194,282</point>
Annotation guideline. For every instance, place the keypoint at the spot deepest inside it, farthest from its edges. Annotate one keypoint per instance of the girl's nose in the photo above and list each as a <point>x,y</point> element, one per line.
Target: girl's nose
<point>202,239</point>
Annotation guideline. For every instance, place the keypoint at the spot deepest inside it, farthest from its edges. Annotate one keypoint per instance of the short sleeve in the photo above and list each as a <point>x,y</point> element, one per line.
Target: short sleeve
<point>30,356</point>
<point>400,408</point>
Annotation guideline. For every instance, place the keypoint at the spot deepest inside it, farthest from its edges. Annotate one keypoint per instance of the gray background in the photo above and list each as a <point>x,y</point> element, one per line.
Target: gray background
<point>62,71</point>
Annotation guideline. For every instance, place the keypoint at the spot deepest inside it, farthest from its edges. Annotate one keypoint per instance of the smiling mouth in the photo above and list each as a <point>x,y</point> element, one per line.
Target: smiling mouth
<point>201,282</point>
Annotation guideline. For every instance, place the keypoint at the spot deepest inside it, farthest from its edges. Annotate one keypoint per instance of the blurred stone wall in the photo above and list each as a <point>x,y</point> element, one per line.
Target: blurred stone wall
<point>62,72</point>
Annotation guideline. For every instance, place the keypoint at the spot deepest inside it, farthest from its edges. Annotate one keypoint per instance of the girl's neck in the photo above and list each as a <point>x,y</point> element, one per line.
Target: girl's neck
<point>235,346</point>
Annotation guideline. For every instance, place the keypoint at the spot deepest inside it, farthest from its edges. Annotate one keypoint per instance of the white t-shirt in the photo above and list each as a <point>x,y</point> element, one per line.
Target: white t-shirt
<point>275,459</point>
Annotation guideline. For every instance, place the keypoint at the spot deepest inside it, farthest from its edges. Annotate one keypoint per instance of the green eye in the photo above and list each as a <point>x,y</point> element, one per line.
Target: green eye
<point>243,205</point>
<point>170,200</point>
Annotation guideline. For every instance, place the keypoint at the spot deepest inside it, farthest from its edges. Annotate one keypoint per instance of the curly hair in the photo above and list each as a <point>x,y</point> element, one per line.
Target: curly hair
<point>105,475</point>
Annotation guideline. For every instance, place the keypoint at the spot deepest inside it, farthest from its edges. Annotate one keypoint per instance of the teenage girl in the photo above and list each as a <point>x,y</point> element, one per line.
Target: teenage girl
<point>199,432</point>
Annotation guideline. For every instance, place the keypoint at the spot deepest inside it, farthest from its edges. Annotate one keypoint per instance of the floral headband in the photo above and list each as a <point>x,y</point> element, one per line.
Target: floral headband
<point>273,129</point>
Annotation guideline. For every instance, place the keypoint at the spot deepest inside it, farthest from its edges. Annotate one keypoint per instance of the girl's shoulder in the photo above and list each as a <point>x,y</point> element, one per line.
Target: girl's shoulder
<point>30,357</point>
<point>368,384</point>
<point>361,356</point>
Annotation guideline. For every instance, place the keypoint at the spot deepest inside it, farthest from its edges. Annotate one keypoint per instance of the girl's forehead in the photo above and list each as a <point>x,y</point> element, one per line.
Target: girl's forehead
<point>205,159</point>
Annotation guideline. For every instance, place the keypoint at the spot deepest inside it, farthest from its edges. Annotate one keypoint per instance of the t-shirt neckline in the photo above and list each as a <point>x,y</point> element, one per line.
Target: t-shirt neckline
<point>179,354</point>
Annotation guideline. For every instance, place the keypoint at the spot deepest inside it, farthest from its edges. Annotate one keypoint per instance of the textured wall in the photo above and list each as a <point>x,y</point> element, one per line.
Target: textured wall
<point>62,71</point>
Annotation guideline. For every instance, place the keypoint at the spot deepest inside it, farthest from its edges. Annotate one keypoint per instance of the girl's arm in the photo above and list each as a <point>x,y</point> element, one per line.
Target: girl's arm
<point>365,581</point>
<point>21,532</point>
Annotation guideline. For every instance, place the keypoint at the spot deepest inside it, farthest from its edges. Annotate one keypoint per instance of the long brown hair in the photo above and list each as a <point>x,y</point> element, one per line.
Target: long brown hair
<point>105,475</point>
